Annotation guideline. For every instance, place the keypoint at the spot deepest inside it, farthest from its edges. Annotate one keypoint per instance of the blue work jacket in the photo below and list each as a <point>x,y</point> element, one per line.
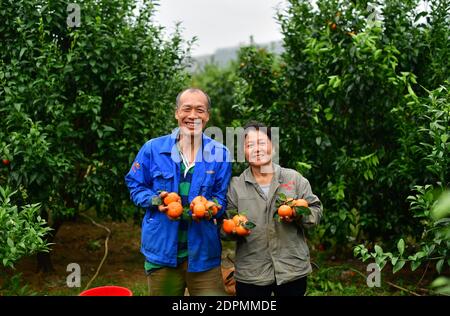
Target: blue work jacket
<point>157,168</point>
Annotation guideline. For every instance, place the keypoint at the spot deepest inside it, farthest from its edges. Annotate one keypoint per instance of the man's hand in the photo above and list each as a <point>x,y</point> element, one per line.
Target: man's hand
<point>162,208</point>
<point>163,194</point>
<point>290,219</point>
<point>207,217</point>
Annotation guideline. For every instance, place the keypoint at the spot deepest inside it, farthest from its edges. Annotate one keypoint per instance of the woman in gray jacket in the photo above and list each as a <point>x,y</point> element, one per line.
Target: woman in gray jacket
<point>274,257</point>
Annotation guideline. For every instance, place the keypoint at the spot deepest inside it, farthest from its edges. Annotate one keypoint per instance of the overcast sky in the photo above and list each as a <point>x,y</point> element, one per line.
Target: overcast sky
<point>221,23</point>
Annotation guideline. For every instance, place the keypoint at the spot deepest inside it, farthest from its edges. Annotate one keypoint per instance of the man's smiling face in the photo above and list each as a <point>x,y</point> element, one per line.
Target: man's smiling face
<point>192,112</point>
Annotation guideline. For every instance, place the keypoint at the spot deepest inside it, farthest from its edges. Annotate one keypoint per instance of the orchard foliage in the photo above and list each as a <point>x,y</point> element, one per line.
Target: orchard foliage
<point>361,96</point>
<point>362,106</point>
<point>77,103</point>
<point>23,230</point>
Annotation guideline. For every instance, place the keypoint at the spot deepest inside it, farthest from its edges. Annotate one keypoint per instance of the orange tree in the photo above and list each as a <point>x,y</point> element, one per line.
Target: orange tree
<point>77,101</point>
<point>340,94</point>
<point>218,82</point>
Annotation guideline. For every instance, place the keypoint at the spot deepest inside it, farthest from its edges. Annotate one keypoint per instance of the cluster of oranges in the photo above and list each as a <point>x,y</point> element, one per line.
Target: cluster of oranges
<point>237,225</point>
<point>171,204</point>
<point>200,206</point>
<point>287,210</point>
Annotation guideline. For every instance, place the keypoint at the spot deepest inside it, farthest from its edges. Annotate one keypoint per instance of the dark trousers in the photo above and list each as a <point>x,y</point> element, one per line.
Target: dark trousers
<point>294,288</point>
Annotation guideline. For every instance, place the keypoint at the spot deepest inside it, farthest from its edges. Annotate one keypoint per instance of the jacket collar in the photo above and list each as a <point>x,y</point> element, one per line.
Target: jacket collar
<point>168,146</point>
<point>249,177</point>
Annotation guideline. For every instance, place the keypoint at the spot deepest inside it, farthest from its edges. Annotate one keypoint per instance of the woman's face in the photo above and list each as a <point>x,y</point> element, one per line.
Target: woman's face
<point>258,148</point>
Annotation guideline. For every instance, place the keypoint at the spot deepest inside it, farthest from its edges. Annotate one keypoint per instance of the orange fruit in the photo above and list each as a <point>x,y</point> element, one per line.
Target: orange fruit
<point>242,231</point>
<point>228,226</point>
<point>198,200</point>
<point>199,210</point>
<point>214,210</point>
<point>301,202</point>
<point>172,197</point>
<point>333,26</point>
<point>285,210</point>
<point>174,210</point>
<point>211,206</point>
<point>239,219</point>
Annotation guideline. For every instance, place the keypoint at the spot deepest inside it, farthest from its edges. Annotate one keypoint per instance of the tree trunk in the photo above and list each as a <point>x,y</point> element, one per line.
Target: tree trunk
<point>44,261</point>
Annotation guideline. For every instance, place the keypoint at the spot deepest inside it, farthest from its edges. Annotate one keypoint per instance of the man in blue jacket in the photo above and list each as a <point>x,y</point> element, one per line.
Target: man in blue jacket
<point>182,253</point>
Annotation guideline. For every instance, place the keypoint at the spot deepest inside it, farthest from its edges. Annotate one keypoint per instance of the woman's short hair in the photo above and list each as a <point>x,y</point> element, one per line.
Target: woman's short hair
<point>257,126</point>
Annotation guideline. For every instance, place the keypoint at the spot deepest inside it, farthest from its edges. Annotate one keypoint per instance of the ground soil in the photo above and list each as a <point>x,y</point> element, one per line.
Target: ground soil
<point>82,242</point>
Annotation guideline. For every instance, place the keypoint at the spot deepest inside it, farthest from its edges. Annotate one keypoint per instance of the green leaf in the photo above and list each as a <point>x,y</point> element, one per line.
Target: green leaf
<point>10,242</point>
<point>394,260</point>
<point>377,54</point>
<point>22,51</point>
<point>378,250</point>
<point>415,264</point>
<point>249,225</point>
<point>320,87</point>
<point>156,201</point>
<point>231,213</point>
<point>328,114</point>
<point>318,140</point>
<point>107,128</point>
<point>439,266</point>
<point>302,210</point>
<point>419,15</point>
<point>444,138</point>
<point>411,91</point>
<point>398,265</point>
<point>439,282</point>
<point>401,246</point>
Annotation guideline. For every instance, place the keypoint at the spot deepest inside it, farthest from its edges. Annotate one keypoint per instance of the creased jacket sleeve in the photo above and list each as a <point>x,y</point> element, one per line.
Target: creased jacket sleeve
<point>138,179</point>
<point>231,205</point>
<point>232,196</point>
<point>305,192</point>
<point>222,181</point>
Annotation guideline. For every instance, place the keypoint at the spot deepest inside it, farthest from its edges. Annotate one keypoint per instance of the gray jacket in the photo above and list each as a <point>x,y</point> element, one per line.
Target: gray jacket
<point>274,251</point>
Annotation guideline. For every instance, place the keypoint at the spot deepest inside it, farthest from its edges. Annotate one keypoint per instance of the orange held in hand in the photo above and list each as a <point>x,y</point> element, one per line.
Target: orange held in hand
<point>199,210</point>
<point>198,200</point>
<point>228,226</point>
<point>301,202</point>
<point>242,231</point>
<point>285,211</point>
<point>239,219</point>
<point>212,207</point>
<point>202,208</point>
<point>240,223</point>
<point>172,197</point>
<point>174,210</point>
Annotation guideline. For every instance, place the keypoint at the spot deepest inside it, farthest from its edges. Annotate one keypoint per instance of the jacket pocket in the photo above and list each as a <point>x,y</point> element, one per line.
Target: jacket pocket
<point>213,240</point>
<point>150,236</point>
<point>207,185</point>
<point>162,181</point>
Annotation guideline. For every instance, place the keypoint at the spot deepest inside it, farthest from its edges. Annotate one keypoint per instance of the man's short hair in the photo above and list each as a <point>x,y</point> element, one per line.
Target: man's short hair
<point>257,126</point>
<point>193,90</point>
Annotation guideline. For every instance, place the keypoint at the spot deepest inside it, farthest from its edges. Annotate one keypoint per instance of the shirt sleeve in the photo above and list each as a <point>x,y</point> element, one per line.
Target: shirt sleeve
<point>222,181</point>
<point>231,205</point>
<point>138,179</point>
<point>315,205</point>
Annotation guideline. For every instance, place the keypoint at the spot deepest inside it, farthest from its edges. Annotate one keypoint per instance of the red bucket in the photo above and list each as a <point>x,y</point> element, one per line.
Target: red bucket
<point>110,290</point>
